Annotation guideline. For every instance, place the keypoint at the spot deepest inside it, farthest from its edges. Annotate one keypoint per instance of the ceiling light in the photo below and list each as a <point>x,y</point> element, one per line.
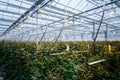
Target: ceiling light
<point>66,23</point>
<point>112,13</point>
<point>82,21</point>
<point>113,32</point>
<point>21,25</point>
<point>29,17</point>
<point>40,10</point>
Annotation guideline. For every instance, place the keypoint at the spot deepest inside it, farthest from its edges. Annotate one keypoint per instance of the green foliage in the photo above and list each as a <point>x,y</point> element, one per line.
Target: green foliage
<point>21,61</point>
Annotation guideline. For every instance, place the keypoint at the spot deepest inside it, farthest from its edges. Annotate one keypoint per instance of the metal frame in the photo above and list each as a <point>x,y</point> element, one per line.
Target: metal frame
<point>53,14</point>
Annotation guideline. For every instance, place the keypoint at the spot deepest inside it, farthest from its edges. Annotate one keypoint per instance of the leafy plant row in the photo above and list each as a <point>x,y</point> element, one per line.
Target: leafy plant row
<point>22,61</point>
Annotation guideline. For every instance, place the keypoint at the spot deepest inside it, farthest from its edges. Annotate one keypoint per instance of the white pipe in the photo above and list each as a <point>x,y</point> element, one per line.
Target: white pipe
<point>58,53</point>
<point>95,62</point>
<point>80,51</point>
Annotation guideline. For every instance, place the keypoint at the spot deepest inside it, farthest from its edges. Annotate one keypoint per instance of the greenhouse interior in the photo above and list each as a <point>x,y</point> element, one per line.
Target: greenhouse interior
<point>59,39</point>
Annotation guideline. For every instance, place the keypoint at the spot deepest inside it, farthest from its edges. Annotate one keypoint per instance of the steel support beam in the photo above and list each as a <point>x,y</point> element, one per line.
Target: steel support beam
<point>13,5</point>
<point>46,14</point>
<point>9,20</point>
<point>4,11</point>
<point>79,14</point>
<point>4,25</point>
<point>83,12</point>
<point>23,17</point>
<point>118,3</point>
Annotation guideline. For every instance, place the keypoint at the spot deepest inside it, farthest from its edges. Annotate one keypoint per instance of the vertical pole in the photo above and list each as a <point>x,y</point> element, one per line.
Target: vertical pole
<point>106,33</point>
<point>17,38</point>
<point>73,28</point>
<point>81,36</point>
<point>88,46</point>
<point>29,37</point>
<point>21,37</point>
<point>109,48</point>
<point>60,38</point>
<point>93,33</point>
<point>66,37</point>
<point>37,31</point>
<point>115,33</point>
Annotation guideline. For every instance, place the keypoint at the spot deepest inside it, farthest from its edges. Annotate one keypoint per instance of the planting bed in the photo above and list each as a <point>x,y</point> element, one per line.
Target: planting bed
<point>21,61</point>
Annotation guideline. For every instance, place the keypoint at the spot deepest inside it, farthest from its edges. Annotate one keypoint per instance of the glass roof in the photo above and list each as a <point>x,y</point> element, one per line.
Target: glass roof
<point>32,20</point>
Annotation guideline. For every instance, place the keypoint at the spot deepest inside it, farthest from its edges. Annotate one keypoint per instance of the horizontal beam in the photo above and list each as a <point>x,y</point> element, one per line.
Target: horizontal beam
<point>32,17</point>
<point>4,11</point>
<point>2,28</point>
<point>10,20</point>
<point>97,7</point>
<point>22,17</point>
<point>6,20</point>
<point>62,10</point>
<point>12,5</point>
<point>81,13</point>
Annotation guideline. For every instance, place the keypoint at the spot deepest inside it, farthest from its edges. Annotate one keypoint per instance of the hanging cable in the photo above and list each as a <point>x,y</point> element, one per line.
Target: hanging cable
<point>94,40</point>
<point>112,12</point>
<point>65,23</point>
<point>37,25</point>
<point>45,28</point>
<point>60,30</point>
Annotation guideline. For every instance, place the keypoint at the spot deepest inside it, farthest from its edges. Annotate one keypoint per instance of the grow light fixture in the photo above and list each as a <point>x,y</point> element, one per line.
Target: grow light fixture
<point>95,62</point>
<point>112,31</point>
<point>65,22</point>
<point>29,17</point>
<point>40,10</point>
<point>21,25</point>
<point>54,54</point>
<point>112,13</point>
<point>67,48</point>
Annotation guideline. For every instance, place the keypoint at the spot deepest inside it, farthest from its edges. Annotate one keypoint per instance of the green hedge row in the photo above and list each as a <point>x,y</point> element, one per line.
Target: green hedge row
<point>21,61</point>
